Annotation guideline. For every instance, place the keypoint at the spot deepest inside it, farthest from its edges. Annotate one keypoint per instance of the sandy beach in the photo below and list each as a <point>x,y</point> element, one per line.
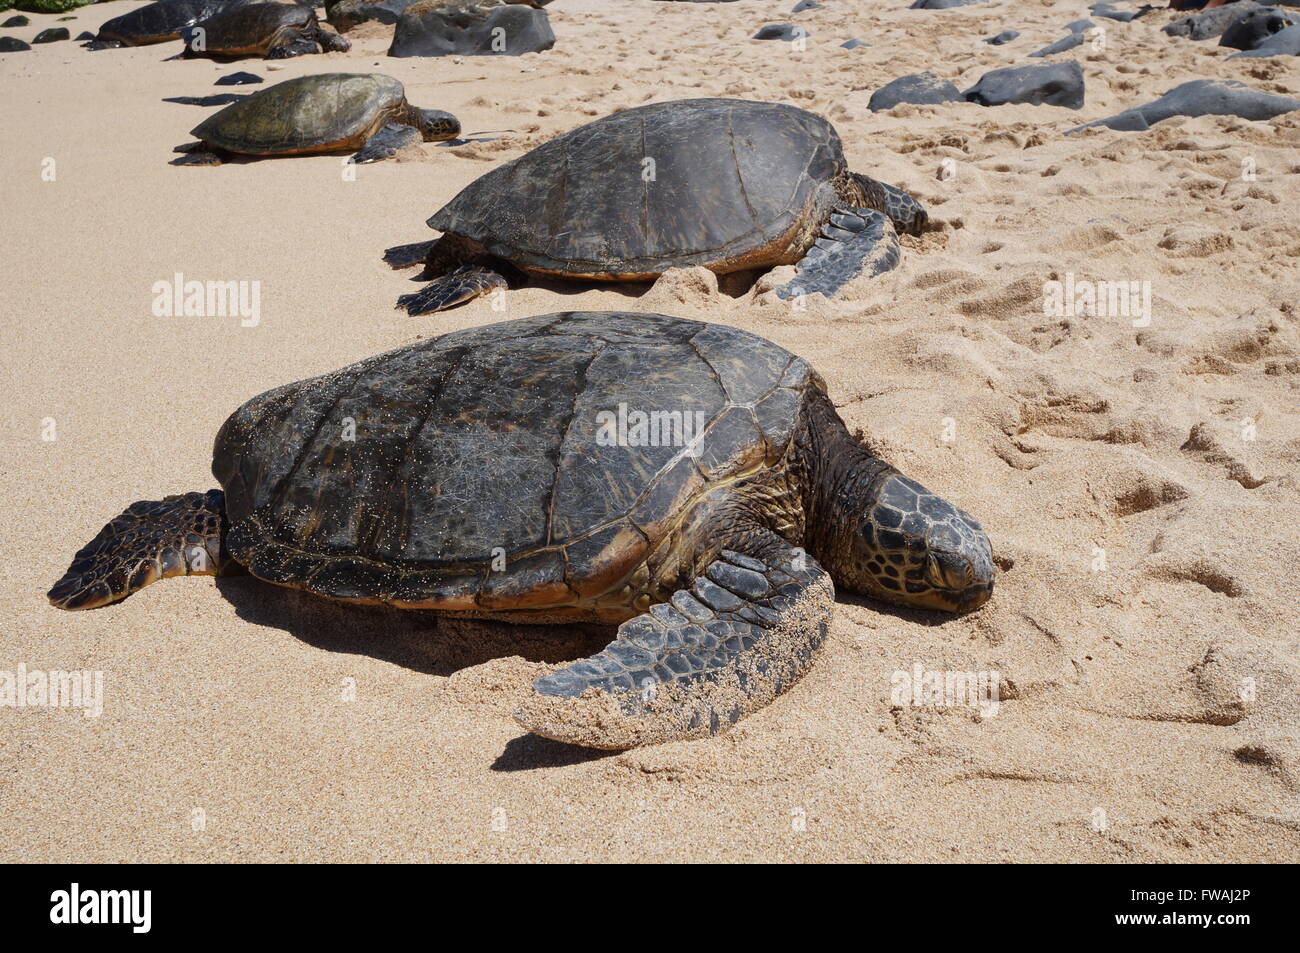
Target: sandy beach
<point>1137,473</point>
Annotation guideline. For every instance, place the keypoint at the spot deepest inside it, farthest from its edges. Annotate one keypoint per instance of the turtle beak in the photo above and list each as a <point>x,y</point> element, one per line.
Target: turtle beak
<point>959,584</point>
<point>439,126</point>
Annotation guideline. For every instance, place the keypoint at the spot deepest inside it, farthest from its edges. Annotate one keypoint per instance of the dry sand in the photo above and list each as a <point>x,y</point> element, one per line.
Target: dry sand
<point>1129,730</point>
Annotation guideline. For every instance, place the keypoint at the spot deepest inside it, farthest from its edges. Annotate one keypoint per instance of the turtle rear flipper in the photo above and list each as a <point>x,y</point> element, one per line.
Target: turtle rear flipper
<point>456,287</point>
<point>854,241</point>
<point>387,142</point>
<point>407,256</point>
<point>180,535</point>
<point>744,632</point>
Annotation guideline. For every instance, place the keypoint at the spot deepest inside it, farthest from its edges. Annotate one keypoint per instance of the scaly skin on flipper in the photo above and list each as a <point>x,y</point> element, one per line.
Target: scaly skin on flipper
<point>176,536</point>
<point>463,284</point>
<point>744,631</point>
<point>854,242</point>
<point>387,142</point>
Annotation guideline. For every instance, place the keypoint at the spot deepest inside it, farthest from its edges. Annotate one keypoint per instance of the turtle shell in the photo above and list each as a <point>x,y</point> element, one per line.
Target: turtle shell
<point>250,29</point>
<point>306,114</point>
<point>485,469</point>
<point>723,183</point>
<point>160,21</point>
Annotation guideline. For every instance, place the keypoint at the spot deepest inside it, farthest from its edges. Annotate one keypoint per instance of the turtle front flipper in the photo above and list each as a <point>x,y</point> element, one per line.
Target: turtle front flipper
<point>744,632</point>
<point>854,241</point>
<point>196,153</point>
<point>180,535</point>
<point>456,287</point>
<point>387,142</point>
<point>296,45</point>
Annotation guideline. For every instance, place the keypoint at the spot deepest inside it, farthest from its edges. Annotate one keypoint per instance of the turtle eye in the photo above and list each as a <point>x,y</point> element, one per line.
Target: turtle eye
<point>945,571</point>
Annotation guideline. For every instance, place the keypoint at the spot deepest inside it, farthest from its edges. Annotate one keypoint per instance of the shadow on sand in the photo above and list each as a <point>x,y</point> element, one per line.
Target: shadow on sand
<point>422,642</point>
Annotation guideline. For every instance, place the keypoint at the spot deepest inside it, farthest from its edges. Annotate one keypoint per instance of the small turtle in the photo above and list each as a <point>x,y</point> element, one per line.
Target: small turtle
<point>273,30</point>
<point>365,113</point>
<point>156,22</point>
<point>691,483</point>
<point>728,184</point>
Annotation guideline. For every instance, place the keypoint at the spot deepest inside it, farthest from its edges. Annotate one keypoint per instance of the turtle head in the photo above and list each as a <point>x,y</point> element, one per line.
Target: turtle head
<point>437,126</point>
<point>908,215</point>
<point>913,547</point>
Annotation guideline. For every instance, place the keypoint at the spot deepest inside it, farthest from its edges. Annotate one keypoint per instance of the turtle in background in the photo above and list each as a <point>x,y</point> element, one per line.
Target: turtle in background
<point>272,30</point>
<point>689,483</point>
<point>729,184</point>
<point>364,113</point>
<point>156,22</point>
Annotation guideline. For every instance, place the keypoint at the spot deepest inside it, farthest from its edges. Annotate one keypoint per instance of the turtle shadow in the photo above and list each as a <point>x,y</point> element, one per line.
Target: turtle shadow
<point>216,99</point>
<point>926,617</point>
<point>423,642</point>
<point>529,752</point>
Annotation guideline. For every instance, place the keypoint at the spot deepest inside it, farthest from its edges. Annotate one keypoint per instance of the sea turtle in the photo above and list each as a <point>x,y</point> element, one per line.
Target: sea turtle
<point>156,22</point>
<point>273,30</point>
<point>327,112</point>
<point>685,481</point>
<point>728,184</point>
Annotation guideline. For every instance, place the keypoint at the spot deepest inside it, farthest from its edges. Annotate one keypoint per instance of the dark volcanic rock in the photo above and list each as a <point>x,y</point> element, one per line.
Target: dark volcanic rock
<point>238,79</point>
<point>52,35</point>
<point>921,88</point>
<point>19,20</point>
<point>780,31</point>
<point>1060,46</point>
<point>1286,43</point>
<point>1006,36</point>
<point>941,4</point>
<point>1210,23</point>
<point>345,14</point>
<point>1200,97</point>
<point>1053,84</point>
<point>1248,31</point>
<point>1107,11</point>
<point>11,44</point>
<point>425,30</point>
<point>854,43</point>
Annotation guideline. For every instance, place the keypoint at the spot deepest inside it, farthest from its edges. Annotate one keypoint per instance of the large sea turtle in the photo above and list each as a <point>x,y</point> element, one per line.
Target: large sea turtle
<point>326,112</point>
<point>273,30</point>
<point>690,482</point>
<point>156,22</point>
<point>728,184</point>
